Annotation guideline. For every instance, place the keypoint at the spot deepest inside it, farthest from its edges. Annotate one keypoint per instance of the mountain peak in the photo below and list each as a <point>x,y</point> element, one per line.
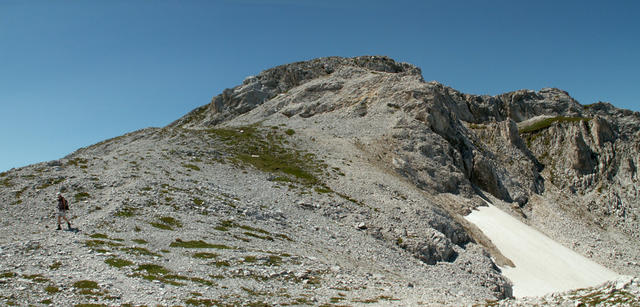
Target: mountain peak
<point>255,90</point>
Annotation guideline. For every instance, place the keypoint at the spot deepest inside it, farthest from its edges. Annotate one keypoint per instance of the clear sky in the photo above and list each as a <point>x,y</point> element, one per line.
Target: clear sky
<point>73,73</point>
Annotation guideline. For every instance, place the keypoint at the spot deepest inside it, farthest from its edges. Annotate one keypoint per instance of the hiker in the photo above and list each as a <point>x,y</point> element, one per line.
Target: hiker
<point>63,207</point>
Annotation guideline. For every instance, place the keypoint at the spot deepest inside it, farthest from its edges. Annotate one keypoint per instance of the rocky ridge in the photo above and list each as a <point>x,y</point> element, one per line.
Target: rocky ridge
<point>331,181</point>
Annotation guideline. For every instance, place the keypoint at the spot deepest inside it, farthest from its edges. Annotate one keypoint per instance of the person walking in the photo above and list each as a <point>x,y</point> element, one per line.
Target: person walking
<point>63,207</point>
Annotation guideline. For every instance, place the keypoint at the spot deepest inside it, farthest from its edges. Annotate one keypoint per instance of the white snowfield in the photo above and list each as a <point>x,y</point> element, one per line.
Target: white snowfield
<point>542,265</point>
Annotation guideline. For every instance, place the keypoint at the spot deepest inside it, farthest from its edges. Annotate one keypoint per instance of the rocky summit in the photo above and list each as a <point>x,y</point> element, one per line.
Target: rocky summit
<point>334,182</point>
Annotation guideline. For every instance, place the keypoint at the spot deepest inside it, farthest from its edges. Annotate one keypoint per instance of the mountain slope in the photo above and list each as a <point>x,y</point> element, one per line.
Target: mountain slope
<point>331,181</point>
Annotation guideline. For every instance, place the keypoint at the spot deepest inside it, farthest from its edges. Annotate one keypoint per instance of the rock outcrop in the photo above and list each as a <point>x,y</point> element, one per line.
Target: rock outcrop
<point>256,90</point>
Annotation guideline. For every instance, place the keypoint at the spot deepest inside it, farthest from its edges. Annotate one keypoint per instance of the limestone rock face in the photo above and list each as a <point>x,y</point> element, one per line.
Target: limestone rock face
<point>596,161</point>
<point>431,248</point>
<point>256,90</point>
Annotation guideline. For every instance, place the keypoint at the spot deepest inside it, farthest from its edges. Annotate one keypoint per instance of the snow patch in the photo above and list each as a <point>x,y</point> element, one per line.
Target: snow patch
<point>542,265</point>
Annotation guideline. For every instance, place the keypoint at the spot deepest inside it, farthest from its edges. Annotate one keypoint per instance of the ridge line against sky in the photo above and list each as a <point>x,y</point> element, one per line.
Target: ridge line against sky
<point>78,72</point>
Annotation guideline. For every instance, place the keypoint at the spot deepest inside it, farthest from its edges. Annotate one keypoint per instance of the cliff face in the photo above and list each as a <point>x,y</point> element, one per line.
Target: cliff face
<point>595,160</point>
<point>353,172</point>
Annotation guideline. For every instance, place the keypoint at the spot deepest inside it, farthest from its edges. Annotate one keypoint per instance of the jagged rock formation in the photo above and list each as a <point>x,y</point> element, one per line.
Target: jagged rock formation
<point>256,90</point>
<point>353,172</point>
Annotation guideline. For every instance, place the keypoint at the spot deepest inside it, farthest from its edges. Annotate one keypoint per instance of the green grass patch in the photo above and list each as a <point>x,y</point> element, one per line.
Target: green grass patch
<point>166,223</point>
<point>198,201</point>
<point>117,262</point>
<point>153,269</point>
<point>221,228</point>
<point>323,190</point>
<point>197,244</point>
<point>547,122</point>
<point>170,221</point>
<point>206,302</point>
<point>51,289</point>
<point>36,278</point>
<point>282,179</point>
<point>265,151</point>
<point>126,211</point>
<point>162,226</point>
<point>140,241</point>
<point>99,243</point>
<point>284,237</point>
<point>205,255</point>
<point>274,260</point>
<point>351,199</point>
<point>251,234</point>
<point>141,251</point>
<point>85,284</point>
<point>228,223</point>
<point>376,299</point>
<point>191,166</point>
<point>81,196</point>
<point>99,236</point>
<point>159,278</point>
<point>290,132</point>
<point>222,263</point>
<point>243,239</point>
<point>6,182</point>
<point>254,229</point>
<point>56,265</point>
<point>50,182</point>
<point>79,162</point>
<point>202,281</point>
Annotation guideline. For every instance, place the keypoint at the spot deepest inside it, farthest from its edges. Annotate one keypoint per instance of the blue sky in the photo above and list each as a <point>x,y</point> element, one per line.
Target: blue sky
<point>73,73</point>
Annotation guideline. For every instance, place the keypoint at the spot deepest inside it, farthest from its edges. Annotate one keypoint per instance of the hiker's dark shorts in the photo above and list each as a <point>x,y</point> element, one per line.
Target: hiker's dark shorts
<point>62,213</point>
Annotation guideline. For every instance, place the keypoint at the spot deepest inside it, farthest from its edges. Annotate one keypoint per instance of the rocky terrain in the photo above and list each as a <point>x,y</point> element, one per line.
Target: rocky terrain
<point>336,181</point>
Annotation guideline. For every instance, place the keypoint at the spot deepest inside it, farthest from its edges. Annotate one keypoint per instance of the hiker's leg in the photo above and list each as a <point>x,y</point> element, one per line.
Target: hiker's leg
<point>58,219</point>
<point>64,216</point>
